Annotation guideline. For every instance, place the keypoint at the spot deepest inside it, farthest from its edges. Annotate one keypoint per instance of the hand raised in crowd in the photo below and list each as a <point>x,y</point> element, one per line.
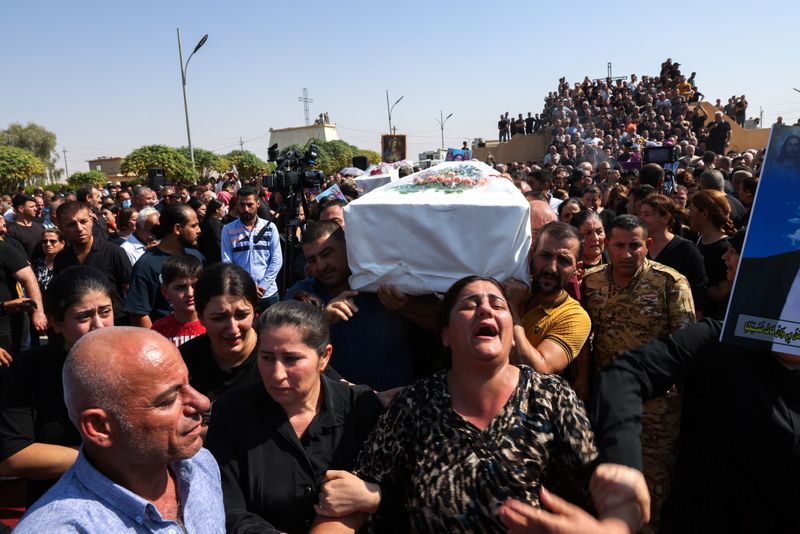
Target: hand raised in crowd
<point>343,494</point>
<point>5,358</point>
<point>342,307</point>
<point>614,486</point>
<point>392,298</point>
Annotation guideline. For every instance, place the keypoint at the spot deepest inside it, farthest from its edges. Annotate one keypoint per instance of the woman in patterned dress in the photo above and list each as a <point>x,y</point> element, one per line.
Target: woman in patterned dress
<point>52,244</point>
<point>459,448</point>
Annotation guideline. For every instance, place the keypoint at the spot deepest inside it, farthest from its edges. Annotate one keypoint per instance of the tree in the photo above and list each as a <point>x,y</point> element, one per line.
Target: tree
<point>205,161</point>
<point>247,164</point>
<point>34,138</point>
<point>333,156</point>
<point>177,167</point>
<point>18,165</point>
<point>94,178</point>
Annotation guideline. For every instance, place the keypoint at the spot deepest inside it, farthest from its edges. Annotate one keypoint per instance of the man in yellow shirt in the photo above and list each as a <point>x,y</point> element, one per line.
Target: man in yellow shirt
<point>554,326</point>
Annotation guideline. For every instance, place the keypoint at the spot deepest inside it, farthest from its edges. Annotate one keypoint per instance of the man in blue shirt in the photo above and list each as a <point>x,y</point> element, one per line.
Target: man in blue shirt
<point>253,244</point>
<point>142,467</point>
<point>374,335</point>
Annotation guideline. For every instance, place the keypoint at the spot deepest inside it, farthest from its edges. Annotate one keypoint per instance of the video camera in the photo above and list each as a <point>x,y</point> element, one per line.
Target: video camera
<point>663,155</point>
<point>667,157</point>
<point>292,172</point>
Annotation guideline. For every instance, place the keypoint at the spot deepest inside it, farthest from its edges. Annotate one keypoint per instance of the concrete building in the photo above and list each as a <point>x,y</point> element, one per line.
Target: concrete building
<point>301,134</point>
<point>108,165</point>
<point>432,157</point>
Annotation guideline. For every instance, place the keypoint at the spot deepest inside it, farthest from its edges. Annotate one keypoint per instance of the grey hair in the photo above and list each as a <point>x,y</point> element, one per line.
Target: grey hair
<point>144,214</point>
<point>712,179</point>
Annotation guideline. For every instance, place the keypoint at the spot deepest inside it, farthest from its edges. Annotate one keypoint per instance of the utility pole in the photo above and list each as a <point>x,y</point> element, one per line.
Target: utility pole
<point>184,67</point>
<point>241,144</point>
<point>760,117</point>
<point>306,101</point>
<point>66,169</point>
<point>441,122</point>
<point>389,109</point>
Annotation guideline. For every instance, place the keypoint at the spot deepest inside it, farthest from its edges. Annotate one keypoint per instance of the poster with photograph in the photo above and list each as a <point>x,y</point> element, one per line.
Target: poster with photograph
<point>458,154</point>
<point>393,148</point>
<point>764,308</point>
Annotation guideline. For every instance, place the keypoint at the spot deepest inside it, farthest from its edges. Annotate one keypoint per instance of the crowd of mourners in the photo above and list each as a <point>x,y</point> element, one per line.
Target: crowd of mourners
<point>193,358</point>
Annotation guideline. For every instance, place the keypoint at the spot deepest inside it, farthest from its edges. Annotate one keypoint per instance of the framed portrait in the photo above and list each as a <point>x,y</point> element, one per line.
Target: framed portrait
<point>393,148</point>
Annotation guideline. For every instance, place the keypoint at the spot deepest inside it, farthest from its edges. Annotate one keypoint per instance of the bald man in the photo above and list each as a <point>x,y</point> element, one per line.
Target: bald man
<point>541,214</point>
<point>142,467</point>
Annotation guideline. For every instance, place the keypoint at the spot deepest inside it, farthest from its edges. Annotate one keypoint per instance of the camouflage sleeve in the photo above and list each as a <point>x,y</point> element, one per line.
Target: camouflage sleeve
<point>681,305</point>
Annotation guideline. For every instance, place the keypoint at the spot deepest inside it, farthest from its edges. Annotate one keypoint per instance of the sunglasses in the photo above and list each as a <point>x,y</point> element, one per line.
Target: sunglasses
<point>50,241</point>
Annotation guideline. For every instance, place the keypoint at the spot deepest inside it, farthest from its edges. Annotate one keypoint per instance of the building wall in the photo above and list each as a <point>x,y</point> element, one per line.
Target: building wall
<point>108,166</point>
<point>300,135</point>
<point>741,138</point>
<point>520,148</point>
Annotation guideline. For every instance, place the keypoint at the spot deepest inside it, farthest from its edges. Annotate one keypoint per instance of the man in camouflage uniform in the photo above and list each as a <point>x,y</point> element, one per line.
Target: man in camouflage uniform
<point>631,301</point>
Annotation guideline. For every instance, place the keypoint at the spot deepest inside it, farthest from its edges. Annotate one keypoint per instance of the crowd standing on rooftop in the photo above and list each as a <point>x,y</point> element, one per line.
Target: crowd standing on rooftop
<point>190,358</point>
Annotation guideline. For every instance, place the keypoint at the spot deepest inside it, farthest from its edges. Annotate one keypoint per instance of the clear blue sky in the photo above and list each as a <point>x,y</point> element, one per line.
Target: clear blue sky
<point>104,76</point>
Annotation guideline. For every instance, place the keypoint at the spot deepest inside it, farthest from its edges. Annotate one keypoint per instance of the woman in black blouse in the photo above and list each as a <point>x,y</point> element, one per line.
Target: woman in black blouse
<point>37,440</point>
<point>710,216</point>
<point>278,442</point>
<point>454,447</point>
<point>660,214</point>
<point>224,358</point>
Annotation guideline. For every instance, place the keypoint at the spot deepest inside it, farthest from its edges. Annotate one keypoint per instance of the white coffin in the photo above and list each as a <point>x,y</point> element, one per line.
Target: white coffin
<point>422,237</point>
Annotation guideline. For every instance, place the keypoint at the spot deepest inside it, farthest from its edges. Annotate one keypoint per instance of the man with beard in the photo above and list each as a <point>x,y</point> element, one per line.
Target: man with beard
<point>554,327</point>
<point>253,244</point>
<point>178,230</point>
<point>85,248</point>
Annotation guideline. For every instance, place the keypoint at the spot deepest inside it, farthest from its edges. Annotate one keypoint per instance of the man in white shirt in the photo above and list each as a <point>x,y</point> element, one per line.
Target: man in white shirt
<point>140,238</point>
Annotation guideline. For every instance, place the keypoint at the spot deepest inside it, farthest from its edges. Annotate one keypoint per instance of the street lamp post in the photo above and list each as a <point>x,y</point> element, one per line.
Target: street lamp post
<point>184,67</point>
<point>441,122</point>
<point>389,109</point>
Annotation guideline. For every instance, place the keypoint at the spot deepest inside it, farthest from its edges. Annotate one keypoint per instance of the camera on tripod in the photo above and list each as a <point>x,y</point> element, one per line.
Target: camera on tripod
<point>663,155</point>
<point>667,158</point>
<point>292,172</point>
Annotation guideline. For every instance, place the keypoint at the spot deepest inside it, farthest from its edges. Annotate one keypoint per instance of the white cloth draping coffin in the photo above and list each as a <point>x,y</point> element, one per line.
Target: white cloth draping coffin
<point>424,232</point>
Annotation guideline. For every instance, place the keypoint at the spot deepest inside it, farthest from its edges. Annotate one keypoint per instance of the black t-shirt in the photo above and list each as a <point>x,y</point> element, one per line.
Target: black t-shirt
<point>33,409</point>
<point>209,241</point>
<point>144,294</point>
<point>738,211</point>
<point>716,271</point>
<point>11,261</point>
<point>30,237</point>
<point>110,259</point>
<point>209,378</point>
<point>683,256</point>
<point>717,134</point>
